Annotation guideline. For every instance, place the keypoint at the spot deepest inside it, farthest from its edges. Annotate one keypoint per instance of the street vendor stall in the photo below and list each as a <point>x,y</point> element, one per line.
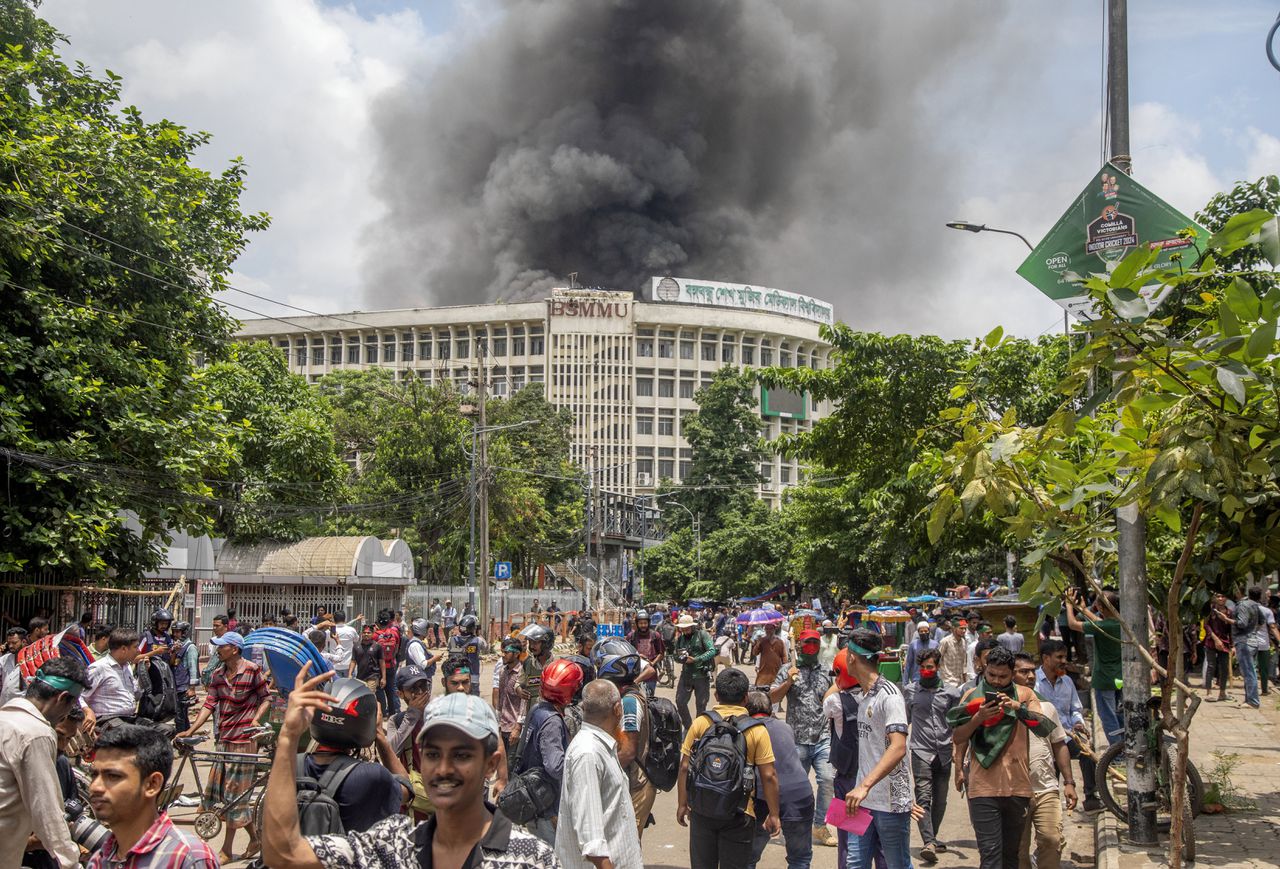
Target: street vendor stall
<point>992,610</point>
<point>891,622</point>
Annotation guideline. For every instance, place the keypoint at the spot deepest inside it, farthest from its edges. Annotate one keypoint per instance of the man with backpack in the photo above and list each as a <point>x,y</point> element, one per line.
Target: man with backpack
<point>1245,619</point>
<point>840,708</point>
<point>388,637</point>
<point>696,654</point>
<point>650,729</point>
<point>362,792</point>
<point>416,652</point>
<point>539,755</point>
<point>723,751</point>
<point>650,646</point>
<point>186,664</point>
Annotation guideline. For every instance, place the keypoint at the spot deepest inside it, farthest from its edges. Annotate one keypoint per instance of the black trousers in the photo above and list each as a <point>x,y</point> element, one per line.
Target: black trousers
<point>1219,665</point>
<point>997,825</point>
<point>1088,770</point>
<point>933,780</point>
<point>717,844</point>
<point>699,686</point>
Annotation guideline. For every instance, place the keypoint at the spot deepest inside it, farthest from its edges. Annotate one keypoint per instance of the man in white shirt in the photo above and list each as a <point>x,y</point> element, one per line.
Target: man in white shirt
<point>30,799</point>
<point>342,641</point>
<point>597,826</point>
<point>113,692</point>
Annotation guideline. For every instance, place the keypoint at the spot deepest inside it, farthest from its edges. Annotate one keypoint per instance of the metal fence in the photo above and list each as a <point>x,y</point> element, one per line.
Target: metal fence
<point>505,607</point>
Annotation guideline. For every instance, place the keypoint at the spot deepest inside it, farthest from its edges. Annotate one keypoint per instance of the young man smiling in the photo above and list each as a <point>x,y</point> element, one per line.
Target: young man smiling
<point>458,745</point>
<point>131,765</point>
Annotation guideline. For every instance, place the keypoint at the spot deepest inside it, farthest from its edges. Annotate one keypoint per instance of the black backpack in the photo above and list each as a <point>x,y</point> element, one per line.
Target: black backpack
<point>159,700</point>
<point>721,781</point>
<point>662,754</point>
<point>318,810</point>
<point>530,792</point>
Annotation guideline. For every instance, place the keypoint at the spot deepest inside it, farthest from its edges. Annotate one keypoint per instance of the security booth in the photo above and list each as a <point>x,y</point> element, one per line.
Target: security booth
<point>358,575</point>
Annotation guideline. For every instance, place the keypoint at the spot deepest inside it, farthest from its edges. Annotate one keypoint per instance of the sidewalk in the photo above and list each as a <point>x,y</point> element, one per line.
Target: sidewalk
<point>1236,839</point>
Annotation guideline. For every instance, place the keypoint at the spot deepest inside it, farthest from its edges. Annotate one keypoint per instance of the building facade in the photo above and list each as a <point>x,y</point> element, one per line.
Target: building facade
<point>627,368</point>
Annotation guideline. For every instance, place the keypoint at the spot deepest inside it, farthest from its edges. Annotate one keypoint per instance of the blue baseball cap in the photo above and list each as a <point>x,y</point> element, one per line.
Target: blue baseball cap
<point>230,638</point>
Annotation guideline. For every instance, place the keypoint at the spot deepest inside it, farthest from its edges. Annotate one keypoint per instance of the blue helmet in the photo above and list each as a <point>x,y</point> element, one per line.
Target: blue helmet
<point>616,660</point>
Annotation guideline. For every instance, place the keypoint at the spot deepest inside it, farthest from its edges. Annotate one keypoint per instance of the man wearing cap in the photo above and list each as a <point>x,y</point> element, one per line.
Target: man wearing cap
<point>458,746</point>
<point>238,692</point>
<point>694,650</point>
<point>804,685</point>
<point>922,641</point>
<point>30,801</point>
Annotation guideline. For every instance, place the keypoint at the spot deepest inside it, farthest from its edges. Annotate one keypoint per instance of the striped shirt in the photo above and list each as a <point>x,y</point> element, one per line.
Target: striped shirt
<point>237,700</point>
<point>162,846</point>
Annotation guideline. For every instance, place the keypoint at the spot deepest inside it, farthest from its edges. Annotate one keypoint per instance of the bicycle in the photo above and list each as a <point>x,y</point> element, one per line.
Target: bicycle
<point>208,822</point>
<point>1113,775</point>
<point>666,672</point>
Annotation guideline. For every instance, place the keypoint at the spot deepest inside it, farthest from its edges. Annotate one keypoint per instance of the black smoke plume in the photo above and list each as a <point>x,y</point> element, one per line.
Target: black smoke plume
<point>775,142</point>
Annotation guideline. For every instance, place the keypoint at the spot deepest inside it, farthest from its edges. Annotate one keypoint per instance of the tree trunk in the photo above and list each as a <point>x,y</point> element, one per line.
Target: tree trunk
<point>1174,685</point>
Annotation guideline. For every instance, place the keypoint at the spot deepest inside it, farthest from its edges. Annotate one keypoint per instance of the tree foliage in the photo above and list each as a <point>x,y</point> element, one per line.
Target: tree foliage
<point>111,247</point>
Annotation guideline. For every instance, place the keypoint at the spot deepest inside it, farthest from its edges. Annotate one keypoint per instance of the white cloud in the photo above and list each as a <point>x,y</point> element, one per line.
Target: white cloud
<point>287,84</point>
<point>1264,155</point>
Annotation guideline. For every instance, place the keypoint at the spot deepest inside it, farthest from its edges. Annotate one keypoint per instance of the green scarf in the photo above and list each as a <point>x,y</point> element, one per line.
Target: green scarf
<point>988,743</point>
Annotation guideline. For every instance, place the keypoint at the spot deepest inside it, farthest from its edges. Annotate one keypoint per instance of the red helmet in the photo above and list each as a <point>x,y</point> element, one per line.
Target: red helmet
<point>561,680</point>
<point>845,679</point>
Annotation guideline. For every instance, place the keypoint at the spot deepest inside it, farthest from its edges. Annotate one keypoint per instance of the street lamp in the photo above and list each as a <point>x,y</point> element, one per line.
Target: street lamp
<point>697,532</point>
<point>982,227</point>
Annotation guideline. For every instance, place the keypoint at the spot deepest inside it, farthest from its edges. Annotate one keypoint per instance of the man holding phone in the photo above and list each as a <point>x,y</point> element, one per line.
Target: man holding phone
<point>993,723</point>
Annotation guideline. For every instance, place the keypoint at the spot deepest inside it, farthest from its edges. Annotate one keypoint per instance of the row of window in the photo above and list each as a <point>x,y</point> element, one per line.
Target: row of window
<point>371,351</point>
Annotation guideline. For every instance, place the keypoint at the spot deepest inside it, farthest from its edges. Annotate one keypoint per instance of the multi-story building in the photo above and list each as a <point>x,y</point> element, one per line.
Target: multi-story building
<point>627,368</point>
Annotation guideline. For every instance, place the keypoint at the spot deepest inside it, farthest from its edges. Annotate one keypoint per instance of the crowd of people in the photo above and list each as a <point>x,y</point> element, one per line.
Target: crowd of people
<point>393,759</point>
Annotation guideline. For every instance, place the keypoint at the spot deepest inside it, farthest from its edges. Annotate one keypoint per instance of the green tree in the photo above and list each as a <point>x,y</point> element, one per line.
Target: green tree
<point>111,247</point>
<point>724,437</point>
<point>284,466</point>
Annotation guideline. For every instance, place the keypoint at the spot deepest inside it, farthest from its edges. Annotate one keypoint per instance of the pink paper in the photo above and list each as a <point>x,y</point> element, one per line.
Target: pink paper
<point>838,816</point>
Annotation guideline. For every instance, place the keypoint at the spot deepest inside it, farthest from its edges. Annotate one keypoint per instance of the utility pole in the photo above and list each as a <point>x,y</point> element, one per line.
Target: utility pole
<point>1130,525</point>
<point>482,487</point>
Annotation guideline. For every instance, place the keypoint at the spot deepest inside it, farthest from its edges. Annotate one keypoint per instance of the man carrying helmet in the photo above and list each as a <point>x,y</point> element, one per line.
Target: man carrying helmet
<point>545,736</point>
<point>366,792</point>
<point>457,744</point>
<point>649,645</point>
<point>619,662</point>
<point>467,644</point>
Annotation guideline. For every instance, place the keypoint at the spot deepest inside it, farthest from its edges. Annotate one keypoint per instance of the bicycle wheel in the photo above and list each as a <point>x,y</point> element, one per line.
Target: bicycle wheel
<point>1114,790</point>
<point>1116,801</point>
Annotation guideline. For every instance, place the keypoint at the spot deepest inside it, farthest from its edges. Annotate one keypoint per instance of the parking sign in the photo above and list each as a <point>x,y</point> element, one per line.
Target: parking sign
<point>502,570</point>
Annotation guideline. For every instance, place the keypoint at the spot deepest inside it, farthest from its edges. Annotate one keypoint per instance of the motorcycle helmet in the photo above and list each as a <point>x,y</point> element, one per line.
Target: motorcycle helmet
<point>352,721</point>
<point>641,615</point>
<point>468,624</point>
<point>181,627</point>
<point>538,634</point>
<point>161,615</point>
<point>616,660</point>
<point>562,680</point>
<point>419,628</point>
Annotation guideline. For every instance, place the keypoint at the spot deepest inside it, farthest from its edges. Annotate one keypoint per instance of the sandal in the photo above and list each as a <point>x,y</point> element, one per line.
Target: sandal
<point>252,851</point>
<point>224,859</point>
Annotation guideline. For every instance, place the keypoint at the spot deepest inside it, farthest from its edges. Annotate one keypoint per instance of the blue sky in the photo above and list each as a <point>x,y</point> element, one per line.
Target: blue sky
<point>288,84</point>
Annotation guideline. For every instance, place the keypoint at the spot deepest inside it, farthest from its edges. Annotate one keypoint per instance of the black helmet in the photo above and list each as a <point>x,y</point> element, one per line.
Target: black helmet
<point>182,626</point>
<point>536,633</point>
<point>352,721</point>
<point>616,660</point>
<point>588,672</point>
<point>161,615</point>
<point>468,624</point>
<point>419,628</point>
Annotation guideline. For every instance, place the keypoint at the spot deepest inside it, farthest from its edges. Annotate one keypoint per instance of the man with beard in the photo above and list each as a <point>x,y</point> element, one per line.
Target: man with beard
<point>458,744</point>
<point>804,685</point>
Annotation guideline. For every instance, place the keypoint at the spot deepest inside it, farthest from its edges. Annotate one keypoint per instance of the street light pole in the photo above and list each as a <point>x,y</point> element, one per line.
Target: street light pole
<point>966,226</point>
<point>696,525</point>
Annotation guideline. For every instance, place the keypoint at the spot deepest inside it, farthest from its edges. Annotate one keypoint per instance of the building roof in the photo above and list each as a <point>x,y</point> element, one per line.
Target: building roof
<point>319,561</point>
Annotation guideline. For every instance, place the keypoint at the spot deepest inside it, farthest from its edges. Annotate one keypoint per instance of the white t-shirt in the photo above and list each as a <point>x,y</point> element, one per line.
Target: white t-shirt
<point>341,644</point>
<point>882,711</point>
<point>1260,639</point>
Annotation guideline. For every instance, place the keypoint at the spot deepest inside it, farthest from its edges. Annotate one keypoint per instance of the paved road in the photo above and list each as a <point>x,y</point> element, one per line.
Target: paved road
<point>667,843</point>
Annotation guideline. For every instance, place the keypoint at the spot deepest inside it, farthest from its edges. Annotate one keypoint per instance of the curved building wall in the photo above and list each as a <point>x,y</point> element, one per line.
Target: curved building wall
<point>627,369</point>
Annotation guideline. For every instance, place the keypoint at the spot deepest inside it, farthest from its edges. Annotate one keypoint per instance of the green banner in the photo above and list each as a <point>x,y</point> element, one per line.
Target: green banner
<point>1111,217</point>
